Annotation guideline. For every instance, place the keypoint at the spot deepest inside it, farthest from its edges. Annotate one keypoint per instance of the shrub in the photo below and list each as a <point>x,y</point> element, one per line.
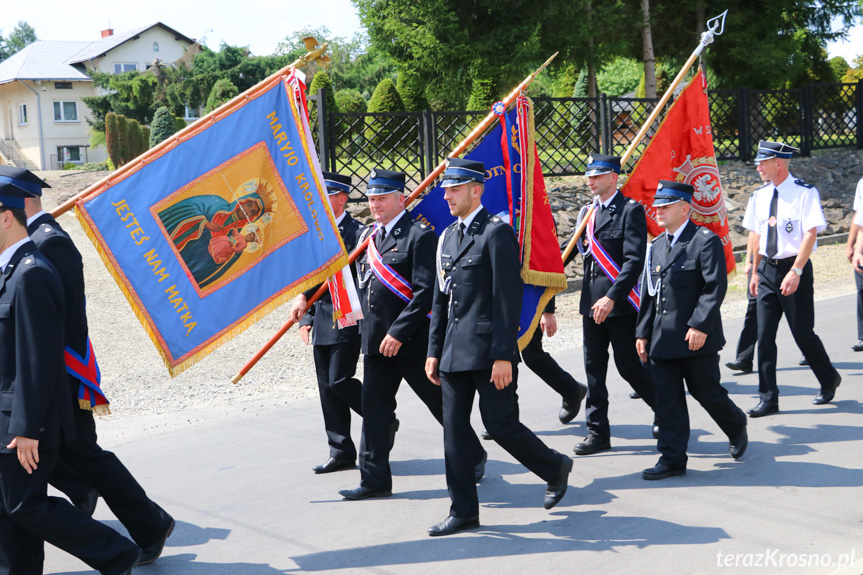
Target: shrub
<point>162,127</point>
<point>385,133</point>
<point>123,140</point>
<point>411,91</point>
<point>223,91</point>
<point>112,142</point>
<point>322,81</point>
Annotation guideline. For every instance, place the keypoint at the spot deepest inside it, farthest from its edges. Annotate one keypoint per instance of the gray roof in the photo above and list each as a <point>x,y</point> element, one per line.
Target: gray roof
<point>50,60</point>
<point>43,60</point>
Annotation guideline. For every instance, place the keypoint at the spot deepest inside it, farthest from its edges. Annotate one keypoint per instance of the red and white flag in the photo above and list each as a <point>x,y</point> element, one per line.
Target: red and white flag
<point>682,150</point>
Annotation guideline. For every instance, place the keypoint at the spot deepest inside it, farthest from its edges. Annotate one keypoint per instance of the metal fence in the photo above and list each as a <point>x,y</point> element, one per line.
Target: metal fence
<point>816,117</point>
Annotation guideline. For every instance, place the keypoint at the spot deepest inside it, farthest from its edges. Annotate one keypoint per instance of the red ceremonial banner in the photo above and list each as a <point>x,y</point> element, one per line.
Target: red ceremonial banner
<point>682,150</point>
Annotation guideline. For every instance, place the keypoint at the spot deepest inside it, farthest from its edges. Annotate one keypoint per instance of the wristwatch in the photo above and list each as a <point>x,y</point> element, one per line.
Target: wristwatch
<point>798,271</point>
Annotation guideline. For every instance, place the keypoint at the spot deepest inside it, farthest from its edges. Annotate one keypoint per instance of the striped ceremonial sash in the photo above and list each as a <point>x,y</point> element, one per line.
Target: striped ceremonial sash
<point>604,261</point>
<point>346,302</point>
<point>388,276</point>
<point>86,370</point>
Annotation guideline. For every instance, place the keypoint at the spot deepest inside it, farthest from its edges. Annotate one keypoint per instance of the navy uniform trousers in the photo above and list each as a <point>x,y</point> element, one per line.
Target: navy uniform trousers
<point>799,310</point>
<point>619,332</point>
<point>337,363</point>
<point>858,280</point>
<point>542,364</point>
<point>749,333</point>
<point>499,411</point>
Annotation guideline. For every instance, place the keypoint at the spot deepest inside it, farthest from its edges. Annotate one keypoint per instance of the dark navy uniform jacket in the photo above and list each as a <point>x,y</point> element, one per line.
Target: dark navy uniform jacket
<point>320,316</point>
<point>477,322</point>
<point>410,250</point>
<point>693,283</point>
<point>55,244</point>
<point>34,398</point>
<point>622,231</point>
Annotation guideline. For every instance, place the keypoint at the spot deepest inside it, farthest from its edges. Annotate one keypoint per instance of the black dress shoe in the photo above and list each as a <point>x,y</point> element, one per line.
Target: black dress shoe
<point>452,525</point>
<point>858,346</point>
<point>592,444</point>
<point>763,408</point>
<point>555,490</point>
<point>485,434</point>
<point>828,393</point>
<point>364,493</point>
<point>570,407</point>
<point>661,471</point>
<point>334,464</point>
<point>479,468</point>
<point>744,366</point>
<point>803,361</point>
<point>88,504</point>
<point>152,552</point>
<point>737,444</point>
<point>634,395</point>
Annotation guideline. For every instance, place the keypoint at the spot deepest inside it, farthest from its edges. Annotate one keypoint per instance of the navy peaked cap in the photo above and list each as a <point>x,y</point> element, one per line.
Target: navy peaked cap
<point>460,171</point>
<point>11,196</point>
<point>24,179</point>
<point>336,183</point>
<point>599,164</point>
<point>669,192</point>
<point>385,182</point>
<point>768,150</point>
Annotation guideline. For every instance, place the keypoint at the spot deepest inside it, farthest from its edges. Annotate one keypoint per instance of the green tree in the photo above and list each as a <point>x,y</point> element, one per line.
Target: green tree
<point>145,137</point>
<point>123,140</point>
<point>351,102</point>
<point>412,91</point>
<point>162,127</point>
<point>840,67</point>
<point>112,142</point>
<point>321,81</point>
<point>381,130</point>
<point>223,91</point>
<point>620,76</point>
<point>133,130</point>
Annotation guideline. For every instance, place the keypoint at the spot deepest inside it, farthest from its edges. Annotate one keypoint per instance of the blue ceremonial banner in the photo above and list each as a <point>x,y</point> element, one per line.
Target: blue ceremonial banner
<point>519,197</point>
<point>220,225</point>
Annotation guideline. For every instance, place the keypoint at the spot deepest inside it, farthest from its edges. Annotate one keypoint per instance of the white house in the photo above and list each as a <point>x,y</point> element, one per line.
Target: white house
<point>42,114</point>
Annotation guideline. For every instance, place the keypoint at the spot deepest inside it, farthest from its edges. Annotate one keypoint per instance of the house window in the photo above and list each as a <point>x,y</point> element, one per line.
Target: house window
<point>155,46</point>
<point>62,85</point>
<point>191,113</point>
<point>70,154</point>
<point>122,68</point>
<point>22,114</point>
<point>65,111</point>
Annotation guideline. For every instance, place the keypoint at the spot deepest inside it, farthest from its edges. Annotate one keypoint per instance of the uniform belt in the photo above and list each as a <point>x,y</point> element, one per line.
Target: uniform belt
<point>775,262</point>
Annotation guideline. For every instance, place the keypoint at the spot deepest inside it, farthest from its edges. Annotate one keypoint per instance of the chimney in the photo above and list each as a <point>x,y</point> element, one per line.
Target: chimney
<point>107,32</point>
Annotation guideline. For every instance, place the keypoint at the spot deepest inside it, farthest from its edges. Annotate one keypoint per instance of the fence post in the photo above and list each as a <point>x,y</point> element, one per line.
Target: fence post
<point>859,114</point>
<point>604,126</point>
<point>743,135</point>
<point>428,140</point>
<point>806,121</point>
<point>323,149</point>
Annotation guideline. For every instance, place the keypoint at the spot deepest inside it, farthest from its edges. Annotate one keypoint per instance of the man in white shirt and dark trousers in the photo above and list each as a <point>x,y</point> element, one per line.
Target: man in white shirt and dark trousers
<point>784,218</point>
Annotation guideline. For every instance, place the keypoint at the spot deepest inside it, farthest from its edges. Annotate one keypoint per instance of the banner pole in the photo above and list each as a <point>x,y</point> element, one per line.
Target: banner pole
<point>715,27</point>
<point>298,63</point>
<point>458,150</point>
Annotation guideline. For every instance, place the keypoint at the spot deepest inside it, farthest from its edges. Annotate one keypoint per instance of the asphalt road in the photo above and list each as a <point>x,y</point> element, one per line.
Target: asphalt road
<point>239,482</point>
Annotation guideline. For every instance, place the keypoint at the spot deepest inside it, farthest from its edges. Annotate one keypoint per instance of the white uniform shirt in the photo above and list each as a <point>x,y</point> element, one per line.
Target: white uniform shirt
<point>798,210</point>
<point>858,204</point>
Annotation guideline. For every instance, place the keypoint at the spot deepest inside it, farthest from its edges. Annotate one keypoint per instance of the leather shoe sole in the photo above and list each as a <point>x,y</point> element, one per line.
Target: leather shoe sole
<point>739,366</point>
<point>452,525</point>
<point>763,409</point>
<point>592,445</point>
<point>153,552</point>
<point>827,395</point>
<point>737,445</point>
<point>364,493</point>
<point>555,490</point>
<point>661,471</point>
<point>334,464</point>
<point>570,407</point>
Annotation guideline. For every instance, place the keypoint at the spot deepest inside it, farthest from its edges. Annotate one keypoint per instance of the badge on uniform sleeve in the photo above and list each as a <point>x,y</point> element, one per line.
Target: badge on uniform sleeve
<point>789,227</point>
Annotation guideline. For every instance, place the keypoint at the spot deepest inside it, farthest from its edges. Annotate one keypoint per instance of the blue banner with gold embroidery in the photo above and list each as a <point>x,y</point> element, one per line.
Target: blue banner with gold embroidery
<point>519,199</point>
<point>219,225</point>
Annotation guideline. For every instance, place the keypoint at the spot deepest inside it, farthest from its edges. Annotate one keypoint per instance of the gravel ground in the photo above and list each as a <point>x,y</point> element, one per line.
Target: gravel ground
<point>137,382</point>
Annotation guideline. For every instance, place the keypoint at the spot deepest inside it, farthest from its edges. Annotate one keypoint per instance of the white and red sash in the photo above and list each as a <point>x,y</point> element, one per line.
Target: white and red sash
<point>86,370</point>
<point>401,287</point>
<point>346,302</point>
<point>604,261</point>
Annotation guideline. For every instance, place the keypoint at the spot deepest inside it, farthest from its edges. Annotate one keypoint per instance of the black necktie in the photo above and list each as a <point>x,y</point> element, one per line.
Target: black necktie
<point>772,223</point>
<point>460,234</point>
<point>670,241</point>
<point>379,237</point>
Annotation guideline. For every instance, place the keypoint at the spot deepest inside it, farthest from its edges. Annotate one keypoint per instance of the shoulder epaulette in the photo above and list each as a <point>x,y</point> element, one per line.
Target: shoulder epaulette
<point>803,184</point>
